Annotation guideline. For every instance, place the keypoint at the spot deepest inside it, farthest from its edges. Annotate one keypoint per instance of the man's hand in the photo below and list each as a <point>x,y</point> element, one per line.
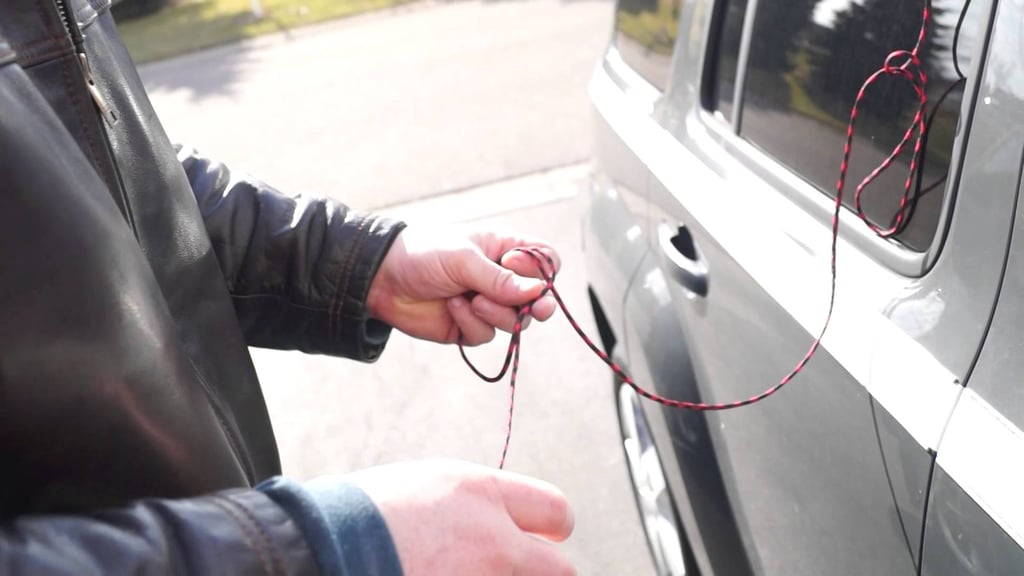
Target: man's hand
<point>461,519</point>
<point>434,283</point>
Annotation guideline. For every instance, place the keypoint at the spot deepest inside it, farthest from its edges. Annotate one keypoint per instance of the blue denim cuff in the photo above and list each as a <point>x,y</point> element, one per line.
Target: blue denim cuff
<point>344,529</point>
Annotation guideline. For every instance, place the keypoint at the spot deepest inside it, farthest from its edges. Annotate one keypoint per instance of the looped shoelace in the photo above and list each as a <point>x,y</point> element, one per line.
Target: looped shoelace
<point>900,63</point>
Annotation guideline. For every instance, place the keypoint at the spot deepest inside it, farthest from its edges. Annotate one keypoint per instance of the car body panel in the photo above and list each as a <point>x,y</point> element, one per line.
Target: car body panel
<point>688,456</point>
<point>961,538</point>
<point>976,513</point>
<point>615,217</point>
<point>832,474</point>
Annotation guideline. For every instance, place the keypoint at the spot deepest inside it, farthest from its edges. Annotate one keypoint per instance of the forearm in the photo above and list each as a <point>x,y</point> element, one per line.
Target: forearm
<point>235,532</point>
<point>299,270</point>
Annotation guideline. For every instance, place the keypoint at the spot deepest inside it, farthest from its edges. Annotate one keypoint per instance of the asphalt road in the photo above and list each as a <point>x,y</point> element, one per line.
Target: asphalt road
<point>384,111</point>
<point>393,106</point>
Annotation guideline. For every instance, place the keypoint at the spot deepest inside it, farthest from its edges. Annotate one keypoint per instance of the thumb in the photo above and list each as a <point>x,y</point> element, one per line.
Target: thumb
<point>498,283</point>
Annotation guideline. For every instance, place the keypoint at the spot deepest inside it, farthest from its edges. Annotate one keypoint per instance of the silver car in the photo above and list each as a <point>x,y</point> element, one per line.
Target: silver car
<point>720,129</point>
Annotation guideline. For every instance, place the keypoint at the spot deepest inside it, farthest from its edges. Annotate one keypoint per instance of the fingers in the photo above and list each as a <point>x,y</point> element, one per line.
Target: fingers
<point>498,283</point>
<point>506,275</point>
<point>544,308</point>
<point>497,244</point>
<point>524,264</point>
<point>536,506</point>
<point>504,317</point>
<point>504,286</point>
<point>527,265</point>
<point>475,331</point>
<point>501,317</point>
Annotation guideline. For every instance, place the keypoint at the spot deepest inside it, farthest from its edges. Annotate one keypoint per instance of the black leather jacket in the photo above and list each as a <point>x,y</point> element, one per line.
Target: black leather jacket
<point>132,280</point>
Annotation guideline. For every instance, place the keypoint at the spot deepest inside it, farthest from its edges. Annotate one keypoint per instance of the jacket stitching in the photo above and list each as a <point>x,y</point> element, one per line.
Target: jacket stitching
<point>334,297</point>
<point>341,284</point>
<point>216,404</point>
<point>47,41</point>
<point>247,532</point>
<point>275,556</point>
<point>280,297</point>
<point>77,105</point>
<point>69,84</point>
<point>40,53</point>
<point>350,266</point>
<point>223,189</point>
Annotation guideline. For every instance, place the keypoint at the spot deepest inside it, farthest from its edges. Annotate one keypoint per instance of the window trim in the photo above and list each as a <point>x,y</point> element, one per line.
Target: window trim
<point>819,203</point>
<point>742,60</point>
<point>634,85</point>
<point>714,28</point>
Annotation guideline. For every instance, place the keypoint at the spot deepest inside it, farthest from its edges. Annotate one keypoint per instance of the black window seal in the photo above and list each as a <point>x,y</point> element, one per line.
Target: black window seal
<point>743,59</point>
<point>712,54</point>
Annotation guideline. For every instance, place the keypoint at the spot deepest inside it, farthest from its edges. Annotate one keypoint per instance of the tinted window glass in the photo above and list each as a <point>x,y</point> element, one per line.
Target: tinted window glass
<point>808,59</point>
<point>645,35</point>
<point>731,31</point>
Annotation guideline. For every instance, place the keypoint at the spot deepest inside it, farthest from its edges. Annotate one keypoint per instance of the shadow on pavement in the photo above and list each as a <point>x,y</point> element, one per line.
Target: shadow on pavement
<point>210,72</point>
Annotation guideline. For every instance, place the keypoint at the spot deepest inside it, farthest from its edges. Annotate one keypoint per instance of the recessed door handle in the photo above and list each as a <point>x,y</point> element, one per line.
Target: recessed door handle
<point>684,261</point>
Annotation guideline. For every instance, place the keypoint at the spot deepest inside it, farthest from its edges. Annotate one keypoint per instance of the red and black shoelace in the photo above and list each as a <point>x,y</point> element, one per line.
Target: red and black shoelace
<point>905,64</point>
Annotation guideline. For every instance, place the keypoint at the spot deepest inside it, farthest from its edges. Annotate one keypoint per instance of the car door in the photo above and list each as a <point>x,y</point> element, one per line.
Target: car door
<point>975,519</point>
<point>831,474</point>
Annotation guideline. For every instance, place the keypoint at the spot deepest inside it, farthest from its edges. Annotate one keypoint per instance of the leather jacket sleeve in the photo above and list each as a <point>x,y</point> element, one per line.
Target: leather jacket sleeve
<point>233,532</point>
<point>298,269</point>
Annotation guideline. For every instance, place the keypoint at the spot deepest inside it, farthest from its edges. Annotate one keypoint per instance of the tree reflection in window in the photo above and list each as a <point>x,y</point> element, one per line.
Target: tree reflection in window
<point>645,36</point>
<point>808,59</point>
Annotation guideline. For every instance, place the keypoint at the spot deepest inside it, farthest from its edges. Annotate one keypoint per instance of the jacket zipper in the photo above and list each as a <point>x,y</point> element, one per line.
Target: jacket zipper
<point>71,25</point>
<point>110,117</point>
<point>119,194</point>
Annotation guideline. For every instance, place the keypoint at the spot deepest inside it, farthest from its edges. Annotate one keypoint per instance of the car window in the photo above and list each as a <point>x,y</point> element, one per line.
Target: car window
<point>645,34</point>
<point>808,59</point>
